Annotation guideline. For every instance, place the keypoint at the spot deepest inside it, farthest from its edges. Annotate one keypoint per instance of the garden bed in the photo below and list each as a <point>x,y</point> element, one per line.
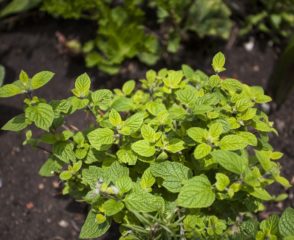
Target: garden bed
<point>31,206</point>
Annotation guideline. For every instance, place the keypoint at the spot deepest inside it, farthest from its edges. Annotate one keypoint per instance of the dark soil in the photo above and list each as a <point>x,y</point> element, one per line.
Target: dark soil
<point>32,207</point>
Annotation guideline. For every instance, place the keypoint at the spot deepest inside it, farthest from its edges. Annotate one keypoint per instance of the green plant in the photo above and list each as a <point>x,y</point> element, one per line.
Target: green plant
<point>125,30</point>
<point>272,17</point>
<point>163,159</point>
<point>121,35</point>
<point>18,6</point>
<point>203,17</point>
<point>70,8</point>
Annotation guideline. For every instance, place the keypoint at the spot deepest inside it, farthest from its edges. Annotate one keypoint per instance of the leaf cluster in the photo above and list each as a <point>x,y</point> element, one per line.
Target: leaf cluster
<point>271,17</point>
<point>183,155</point>
<point>136,28</point>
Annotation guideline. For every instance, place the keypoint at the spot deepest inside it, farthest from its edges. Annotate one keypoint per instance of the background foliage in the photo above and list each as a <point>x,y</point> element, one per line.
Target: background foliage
<point>149,29</point>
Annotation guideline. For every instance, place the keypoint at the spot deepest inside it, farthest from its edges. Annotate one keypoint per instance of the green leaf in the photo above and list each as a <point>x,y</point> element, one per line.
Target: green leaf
<point>115,118</point>
<point>271,224</point>
<point>91,175</point>
<point>243,104</point>
<point>116,171</point>
<point>196,193</point>
<point>112,207</point>
<point>232,142</point>
<point>262,194</point>
<point>249,114</point>
<point>249,229</point>
<point>173,79</point>
<point>16,124</point>
<point>143,148</point>
<point>173,174</point>
<point>202,150</point>
<point>134,122</point>
<point>16,6</point>
<point>175,145</point>
<point>222,181</point>
<point>230,161</point>
<point>92,229</point>
<point>148,133</point>
<point>124,184</point>
<point>249,137</point>
<point>188,71</point>
<point>102,98</point>
<point>122,104</point>
<point>218,62</point>
<point>64,151</point>
<point>186,95</point>
<point>100,136</point>
<point>128,87</point>
<point>155,108</point>
<point>2,75</point>
<point>49,168</point>
<point>40,79</point>
<point>141,201</point>
<point>82,85</point>
<point>263,127</point>
<point>65,175</point>
<point>126,156</point>
<point>77,166</point>
<point>286,225</point>
<point>147,180</point>
<point>264,159</point>
<point>197,134</point>
<point>215,130</point>
<point>100,218</point>
<point>42,115</point>
<point>24,78</point>
<point>10,90</point>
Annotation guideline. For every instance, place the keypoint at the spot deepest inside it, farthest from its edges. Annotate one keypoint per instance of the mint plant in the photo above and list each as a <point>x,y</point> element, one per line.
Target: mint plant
<point>182,155</point>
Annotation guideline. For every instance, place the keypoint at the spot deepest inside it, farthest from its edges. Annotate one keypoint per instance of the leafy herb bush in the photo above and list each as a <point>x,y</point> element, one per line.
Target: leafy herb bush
<point>272,17</point>
<point>136,28</point>
<point>124,32</point>
<point>71,8</point>
<point>149,29</point>
<point>182,156</point>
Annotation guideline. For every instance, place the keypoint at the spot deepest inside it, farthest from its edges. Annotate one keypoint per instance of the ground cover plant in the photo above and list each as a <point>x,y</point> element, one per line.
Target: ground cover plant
<point>163,159</point>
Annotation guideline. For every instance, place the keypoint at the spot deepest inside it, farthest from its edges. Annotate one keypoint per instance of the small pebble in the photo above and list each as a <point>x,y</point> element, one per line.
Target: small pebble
<point>29,205</point>
<point>280,205</point>
<point>280,124</point>
<point>1,183</point>
<point>266,107</point>
<point>55,184</point>
<point>249,45</point>
<point>41,186</point>
<point>63,223</point>
<point>256,68</point>
<point>292,180</point>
